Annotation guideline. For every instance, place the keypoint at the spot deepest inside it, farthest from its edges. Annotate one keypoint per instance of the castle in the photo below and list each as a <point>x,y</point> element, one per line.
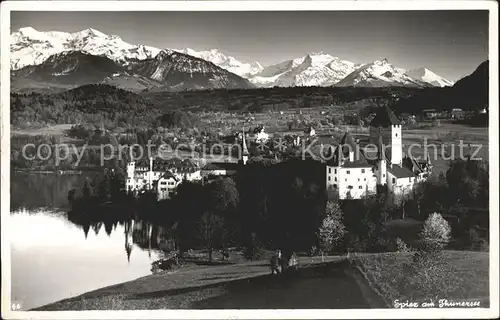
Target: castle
<point>353,172</point>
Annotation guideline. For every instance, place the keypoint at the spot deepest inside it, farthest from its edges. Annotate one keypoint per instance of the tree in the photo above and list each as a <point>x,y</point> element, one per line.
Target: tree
<point>210,230</point>
<point>223,199</point>
<point>332,230</point>
<point>435,233</point>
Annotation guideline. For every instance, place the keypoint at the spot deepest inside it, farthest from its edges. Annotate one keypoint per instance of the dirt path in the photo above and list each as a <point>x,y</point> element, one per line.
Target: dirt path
<point>237,286</point>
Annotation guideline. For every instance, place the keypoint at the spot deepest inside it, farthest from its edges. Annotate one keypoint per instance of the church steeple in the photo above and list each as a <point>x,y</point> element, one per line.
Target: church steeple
<point>380,149</point>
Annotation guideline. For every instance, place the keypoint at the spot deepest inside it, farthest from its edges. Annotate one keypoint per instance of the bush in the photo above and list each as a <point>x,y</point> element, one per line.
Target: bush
<point>356,244</point>
<point>254,250</point>
<point>401,246</point>
<point>484,246</point>
<point>430,275</point>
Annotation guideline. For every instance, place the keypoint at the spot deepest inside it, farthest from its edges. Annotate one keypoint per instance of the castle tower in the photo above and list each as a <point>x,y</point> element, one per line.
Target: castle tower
<point>245,153</point>
<point>150,172</point>
<point>348,146</point>
<point>381,164</point>
<point>387,126</point>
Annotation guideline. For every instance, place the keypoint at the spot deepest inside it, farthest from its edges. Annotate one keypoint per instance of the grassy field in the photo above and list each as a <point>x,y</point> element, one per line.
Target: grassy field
<point>241,285</point>
<point>55,130</point>
<point>384,273</point>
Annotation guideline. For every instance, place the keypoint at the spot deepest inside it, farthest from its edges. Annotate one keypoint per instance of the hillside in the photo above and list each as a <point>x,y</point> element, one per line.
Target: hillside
<point>178,71</point>
<point>469,93</point>
<point>89,103</point>
<point>67,69</point>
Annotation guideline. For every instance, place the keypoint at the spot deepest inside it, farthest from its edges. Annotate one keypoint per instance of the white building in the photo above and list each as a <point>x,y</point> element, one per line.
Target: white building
<point>166,185</point>
<point>310,131</point>
<point>140,177</point>
<point>353,172</point>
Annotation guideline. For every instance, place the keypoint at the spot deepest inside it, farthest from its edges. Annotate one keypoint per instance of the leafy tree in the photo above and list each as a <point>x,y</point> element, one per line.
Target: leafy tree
<point>435,233</point>
<point>223,199</point>
<point>332,230</point>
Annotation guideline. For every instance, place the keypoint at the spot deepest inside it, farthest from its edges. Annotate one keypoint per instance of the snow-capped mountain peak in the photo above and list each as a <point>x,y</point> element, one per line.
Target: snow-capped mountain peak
<point>426,75</point>
<point>378,73</point>
<point>314,69</point>
<point>224,61</point>
<point>33,47</point>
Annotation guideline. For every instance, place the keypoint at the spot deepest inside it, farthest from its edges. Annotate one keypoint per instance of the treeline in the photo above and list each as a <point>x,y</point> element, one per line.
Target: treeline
<point>274,99</point>
<point>111,107</point>
<point>285,206</point>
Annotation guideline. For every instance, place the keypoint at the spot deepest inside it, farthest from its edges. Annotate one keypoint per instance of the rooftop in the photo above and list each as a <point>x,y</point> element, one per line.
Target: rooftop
<point>385,117</point>
<point>399,172</point>
<point>221,166</point>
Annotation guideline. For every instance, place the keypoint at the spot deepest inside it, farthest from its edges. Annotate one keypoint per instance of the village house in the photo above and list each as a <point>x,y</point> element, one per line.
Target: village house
<point>166,185</point>
<point>310,131</point>
<point>353,172</point>
<point>258,134</point>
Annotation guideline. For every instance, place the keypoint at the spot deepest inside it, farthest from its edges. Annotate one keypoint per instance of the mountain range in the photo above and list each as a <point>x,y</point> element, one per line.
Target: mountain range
<point>60,59</point>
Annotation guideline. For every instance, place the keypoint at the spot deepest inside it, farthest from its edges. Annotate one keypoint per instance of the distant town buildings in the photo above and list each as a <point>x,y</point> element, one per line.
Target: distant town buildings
<point>430,113</point>
<point>352,172</point>
<point>164,176</point>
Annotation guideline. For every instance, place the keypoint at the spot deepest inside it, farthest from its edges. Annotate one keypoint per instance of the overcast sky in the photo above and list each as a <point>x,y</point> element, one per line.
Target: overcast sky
<point>450,43</point>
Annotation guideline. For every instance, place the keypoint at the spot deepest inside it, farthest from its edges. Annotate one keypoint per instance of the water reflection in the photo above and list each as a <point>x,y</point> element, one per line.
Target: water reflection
<point>144,235</point>
<point>52,259</point>
<point>34,191</point>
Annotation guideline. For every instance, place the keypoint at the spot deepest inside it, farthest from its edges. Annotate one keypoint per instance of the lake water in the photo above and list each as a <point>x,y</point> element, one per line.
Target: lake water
<point>53,258</point>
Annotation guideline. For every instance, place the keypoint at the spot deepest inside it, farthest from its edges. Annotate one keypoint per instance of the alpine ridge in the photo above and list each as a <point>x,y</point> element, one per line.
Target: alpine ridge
<point>425,75</point>
<point>315,69</point>
<point>379,73</point>
<point>32,47</point>
<point>180,69</point>
<point>224,61</point>
<point>66,70</point>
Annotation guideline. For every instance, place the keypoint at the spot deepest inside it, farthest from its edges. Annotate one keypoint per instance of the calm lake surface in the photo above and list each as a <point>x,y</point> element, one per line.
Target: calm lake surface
<point>53,258</point>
